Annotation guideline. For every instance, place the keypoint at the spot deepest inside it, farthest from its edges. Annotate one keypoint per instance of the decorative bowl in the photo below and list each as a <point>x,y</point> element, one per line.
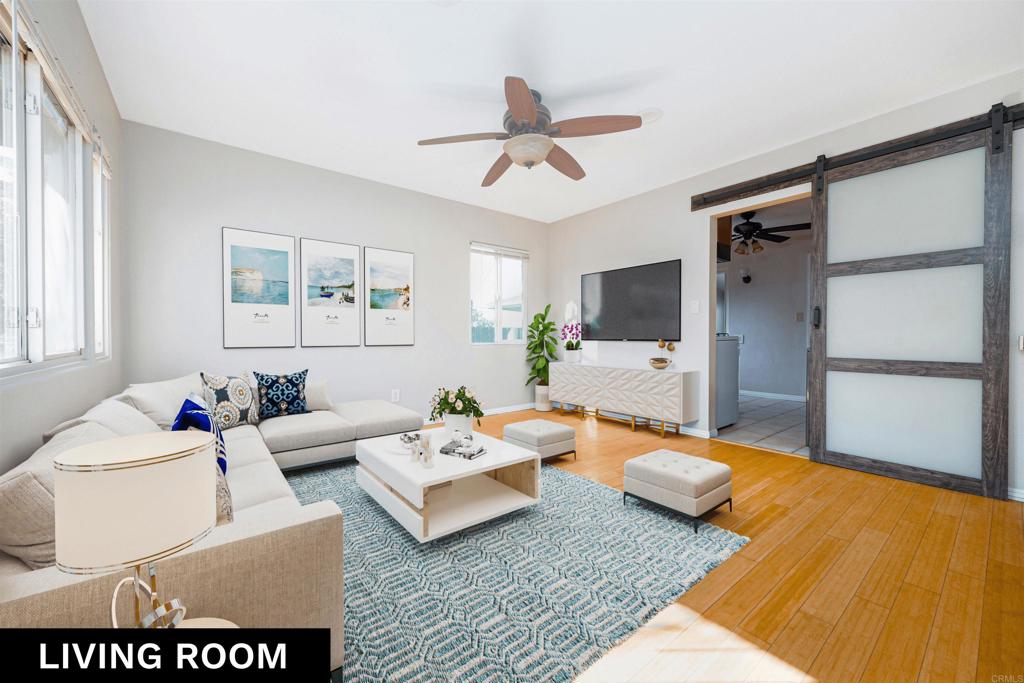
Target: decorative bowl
<point>660,363</point>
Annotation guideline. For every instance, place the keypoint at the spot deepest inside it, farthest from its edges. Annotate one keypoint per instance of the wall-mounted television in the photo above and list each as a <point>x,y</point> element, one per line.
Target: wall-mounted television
<point>642,303</point>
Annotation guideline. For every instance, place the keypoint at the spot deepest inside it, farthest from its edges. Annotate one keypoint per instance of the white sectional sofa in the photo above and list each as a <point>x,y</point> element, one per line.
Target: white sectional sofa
<point>278,564</point>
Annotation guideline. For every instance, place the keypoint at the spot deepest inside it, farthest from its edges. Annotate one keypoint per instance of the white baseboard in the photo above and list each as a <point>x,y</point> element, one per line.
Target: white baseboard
<point>492,411</point>
<point>1016,494</point>
<point>765,394</point>
<point>508,409</point>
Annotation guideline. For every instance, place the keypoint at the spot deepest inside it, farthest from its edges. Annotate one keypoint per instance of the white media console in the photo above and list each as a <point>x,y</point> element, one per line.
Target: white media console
<point>645,396</point>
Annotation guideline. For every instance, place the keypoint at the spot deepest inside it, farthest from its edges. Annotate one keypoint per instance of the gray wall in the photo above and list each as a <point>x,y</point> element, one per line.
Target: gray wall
<point>773,355</point>
<point>32,403</point>
<point>181,190</point>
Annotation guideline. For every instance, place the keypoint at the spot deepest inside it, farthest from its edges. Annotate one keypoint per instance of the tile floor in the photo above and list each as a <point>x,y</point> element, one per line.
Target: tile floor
<point>772,423</point>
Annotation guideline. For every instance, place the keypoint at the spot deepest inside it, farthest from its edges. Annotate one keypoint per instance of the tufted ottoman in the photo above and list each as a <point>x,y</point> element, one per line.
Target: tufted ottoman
<point>684,483</point>
<point>542,436</point>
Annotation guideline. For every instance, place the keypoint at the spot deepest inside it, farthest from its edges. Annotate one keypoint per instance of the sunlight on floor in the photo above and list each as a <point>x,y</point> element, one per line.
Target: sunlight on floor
<point>689,648</point>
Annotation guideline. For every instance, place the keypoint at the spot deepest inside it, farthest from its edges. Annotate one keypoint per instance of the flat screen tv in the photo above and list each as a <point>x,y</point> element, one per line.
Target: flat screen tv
<point>641,303</point>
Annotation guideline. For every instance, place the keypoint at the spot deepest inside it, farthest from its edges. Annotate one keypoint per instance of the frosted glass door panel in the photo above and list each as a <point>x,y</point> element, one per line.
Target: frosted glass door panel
<point>932,205</point>
<point>928,422</point>
<point>933,314</point>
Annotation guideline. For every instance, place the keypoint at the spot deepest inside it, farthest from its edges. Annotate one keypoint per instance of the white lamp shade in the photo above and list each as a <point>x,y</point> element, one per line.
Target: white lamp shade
<point>132,500</point>
<point>528,149</point>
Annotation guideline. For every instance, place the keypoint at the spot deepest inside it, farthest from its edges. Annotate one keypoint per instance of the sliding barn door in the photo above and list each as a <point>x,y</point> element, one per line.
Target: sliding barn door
<point>910,338</point>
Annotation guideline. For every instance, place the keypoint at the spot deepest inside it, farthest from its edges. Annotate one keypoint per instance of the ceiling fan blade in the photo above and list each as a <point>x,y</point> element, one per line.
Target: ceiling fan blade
<point>770,238</point>
<point>787,228</point>
<point>520,100</point>
<point>464,138</point>
<point>564,163</point>
<point>594,125</point>
<point>499,167</point>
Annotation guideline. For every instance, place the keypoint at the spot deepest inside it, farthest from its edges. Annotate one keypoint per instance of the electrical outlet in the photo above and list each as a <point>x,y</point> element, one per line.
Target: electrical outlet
<point>800,316</point>
<point>742,338</point>
<point>395,395</point>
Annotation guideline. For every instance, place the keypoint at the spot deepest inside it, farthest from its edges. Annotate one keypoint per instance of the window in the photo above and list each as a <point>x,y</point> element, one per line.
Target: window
<point>497,294</point>
<point>100,256</point>
<point>12,293</point>
<point>62,234</point>
<point>54,214</point>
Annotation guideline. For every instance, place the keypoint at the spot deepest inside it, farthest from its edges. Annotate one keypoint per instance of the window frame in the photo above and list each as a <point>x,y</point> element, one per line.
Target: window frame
<point>499,253</point>
<point>35,71</point>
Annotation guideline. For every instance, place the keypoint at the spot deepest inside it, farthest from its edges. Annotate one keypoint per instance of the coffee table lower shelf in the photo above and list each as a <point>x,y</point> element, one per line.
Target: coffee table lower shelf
<point>448,507</point>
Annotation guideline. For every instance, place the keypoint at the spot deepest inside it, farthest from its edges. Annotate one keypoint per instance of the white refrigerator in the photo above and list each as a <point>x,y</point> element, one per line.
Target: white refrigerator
<point>727,380</point>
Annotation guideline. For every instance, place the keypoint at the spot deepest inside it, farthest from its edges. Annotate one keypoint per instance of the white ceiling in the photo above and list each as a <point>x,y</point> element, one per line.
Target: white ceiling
<point>351,86</point>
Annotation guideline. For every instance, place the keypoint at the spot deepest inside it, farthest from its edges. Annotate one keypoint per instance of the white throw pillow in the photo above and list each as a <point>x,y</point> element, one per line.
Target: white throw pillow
<point>26,497</point>
<point>317,397</point>
<point>161,401</point>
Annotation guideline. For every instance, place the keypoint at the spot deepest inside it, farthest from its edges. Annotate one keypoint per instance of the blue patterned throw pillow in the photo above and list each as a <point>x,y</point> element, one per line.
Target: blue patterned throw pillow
<point>232,400</point>
<point>195,415</point>
<point>281,394</point>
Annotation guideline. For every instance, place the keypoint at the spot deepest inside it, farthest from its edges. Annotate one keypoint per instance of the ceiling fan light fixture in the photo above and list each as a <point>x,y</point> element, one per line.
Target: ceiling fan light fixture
<point>528,149</point>
<point>741,248</point>
<point>757,246</point>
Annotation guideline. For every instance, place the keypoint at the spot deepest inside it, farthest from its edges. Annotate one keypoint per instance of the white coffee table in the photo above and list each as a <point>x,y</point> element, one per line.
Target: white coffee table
<point>453,494</point>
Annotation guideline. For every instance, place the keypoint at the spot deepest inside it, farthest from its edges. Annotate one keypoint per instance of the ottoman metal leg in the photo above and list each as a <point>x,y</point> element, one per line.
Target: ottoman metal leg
<point>696,520</point>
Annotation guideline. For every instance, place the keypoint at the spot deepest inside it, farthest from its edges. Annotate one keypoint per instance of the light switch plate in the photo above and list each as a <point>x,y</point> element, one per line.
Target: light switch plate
<point>395,395</point>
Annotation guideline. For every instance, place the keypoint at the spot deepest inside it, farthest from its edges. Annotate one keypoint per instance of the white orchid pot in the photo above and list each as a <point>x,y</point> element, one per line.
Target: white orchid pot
<point>573,356</point>
<point>462,423</point>
<point>541,401</point>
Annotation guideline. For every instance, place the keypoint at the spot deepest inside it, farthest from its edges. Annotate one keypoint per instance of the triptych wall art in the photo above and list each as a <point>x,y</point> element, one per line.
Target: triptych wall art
<point>335,282</point>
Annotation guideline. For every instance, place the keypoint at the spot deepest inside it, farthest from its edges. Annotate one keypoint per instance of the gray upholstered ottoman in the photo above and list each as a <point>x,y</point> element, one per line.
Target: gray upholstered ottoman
<point>684,483</point>
<point>542,436</point>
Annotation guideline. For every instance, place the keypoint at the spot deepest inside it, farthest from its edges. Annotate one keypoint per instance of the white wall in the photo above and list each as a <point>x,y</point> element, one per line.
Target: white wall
<point>32,403</point>
<point>659,225</point>
<point>181,190</point>
<point>773,355</point>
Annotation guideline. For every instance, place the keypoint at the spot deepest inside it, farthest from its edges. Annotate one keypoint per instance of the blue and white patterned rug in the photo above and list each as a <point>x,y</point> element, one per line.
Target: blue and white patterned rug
<point>537,595</point>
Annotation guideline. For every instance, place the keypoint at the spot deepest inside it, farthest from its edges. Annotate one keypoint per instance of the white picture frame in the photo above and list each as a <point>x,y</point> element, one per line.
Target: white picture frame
<point>258,276</point>
<point>389,301</point>
<point>331,289</point>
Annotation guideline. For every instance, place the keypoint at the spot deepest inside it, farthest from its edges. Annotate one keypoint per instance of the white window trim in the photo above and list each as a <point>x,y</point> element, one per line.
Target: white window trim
<point>498,252</point>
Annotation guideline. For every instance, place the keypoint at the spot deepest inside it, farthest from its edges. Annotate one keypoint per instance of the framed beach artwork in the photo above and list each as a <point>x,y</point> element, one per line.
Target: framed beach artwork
<point>330,276</point>
<point>390,299</point>
<point>259,296</point>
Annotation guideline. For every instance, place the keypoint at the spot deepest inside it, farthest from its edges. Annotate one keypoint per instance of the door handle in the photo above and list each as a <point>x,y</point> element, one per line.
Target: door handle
<point>816,318</point>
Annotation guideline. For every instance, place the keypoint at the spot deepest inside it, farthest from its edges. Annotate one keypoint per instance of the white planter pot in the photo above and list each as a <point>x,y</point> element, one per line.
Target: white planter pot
<point>463,423</point>
<point>540,398</point>
<point>574,356</point>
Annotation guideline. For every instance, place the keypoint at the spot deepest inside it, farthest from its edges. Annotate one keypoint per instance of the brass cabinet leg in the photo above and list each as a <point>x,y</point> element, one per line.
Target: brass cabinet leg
<point>632,423</point>
<point>663,429</point>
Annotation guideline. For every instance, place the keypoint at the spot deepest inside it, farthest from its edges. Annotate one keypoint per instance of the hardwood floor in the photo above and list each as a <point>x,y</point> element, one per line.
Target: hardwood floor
<point>847,577</point>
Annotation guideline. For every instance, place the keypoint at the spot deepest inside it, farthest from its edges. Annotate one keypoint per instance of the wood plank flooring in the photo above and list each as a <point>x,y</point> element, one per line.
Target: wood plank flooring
<point>848,576</point>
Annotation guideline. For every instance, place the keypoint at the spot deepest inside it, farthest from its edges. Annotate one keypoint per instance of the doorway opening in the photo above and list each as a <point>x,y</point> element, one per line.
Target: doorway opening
<point>762,325</point>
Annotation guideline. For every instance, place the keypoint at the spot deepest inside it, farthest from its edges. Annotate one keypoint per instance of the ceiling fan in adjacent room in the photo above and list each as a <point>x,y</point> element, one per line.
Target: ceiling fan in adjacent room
<point>750,233</point>
<point>529,132</point>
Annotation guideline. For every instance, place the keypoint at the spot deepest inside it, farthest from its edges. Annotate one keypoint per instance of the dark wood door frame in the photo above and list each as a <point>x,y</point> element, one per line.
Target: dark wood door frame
<point>1010,117</point>
<point>994,256</point>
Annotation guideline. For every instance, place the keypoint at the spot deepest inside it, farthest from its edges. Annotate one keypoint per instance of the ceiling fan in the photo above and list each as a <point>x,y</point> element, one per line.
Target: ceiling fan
<point>529,132</point>
<point>750,231</point>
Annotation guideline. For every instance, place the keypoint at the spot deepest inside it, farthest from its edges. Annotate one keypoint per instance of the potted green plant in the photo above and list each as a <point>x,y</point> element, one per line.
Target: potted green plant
<point>541,350</point>
<point>457,408</point>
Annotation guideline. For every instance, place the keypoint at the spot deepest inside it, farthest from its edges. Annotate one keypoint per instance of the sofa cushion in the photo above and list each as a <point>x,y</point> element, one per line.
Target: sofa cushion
<point>26,497</point>
<point>377,418</point>
<point>232,400</point>
<point>317,397</point>
<point>282,394</point>
<point>318,428</point>
<point>245,446</point>
<point>120,418</point>
<point>160,401</point>
<point>257,483</point>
